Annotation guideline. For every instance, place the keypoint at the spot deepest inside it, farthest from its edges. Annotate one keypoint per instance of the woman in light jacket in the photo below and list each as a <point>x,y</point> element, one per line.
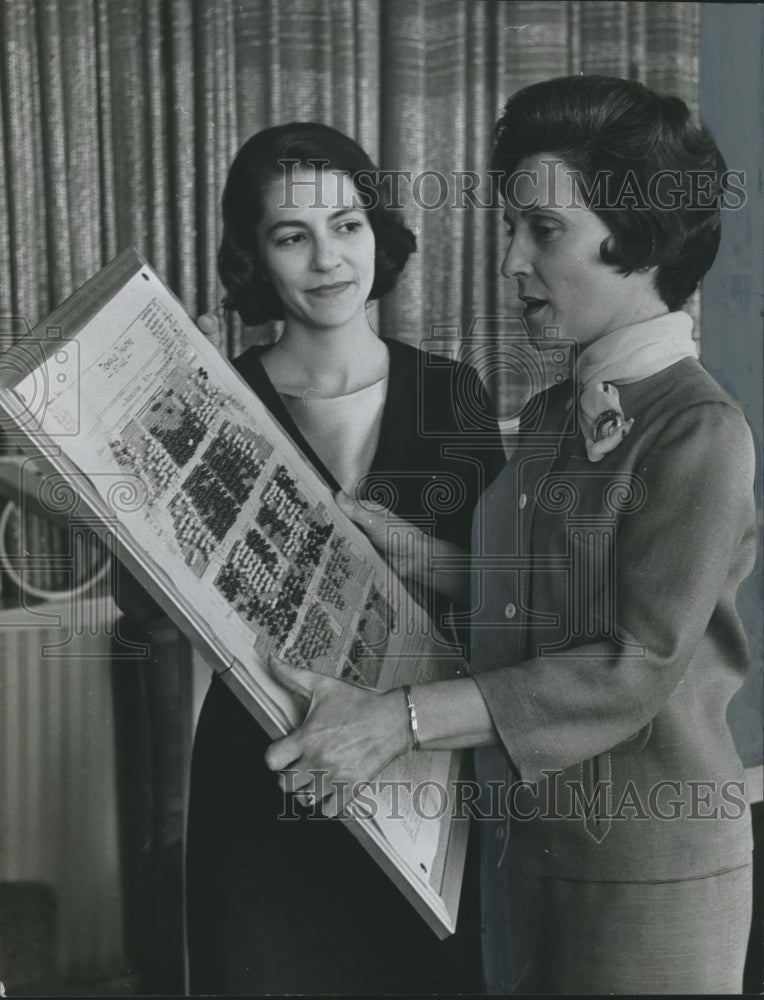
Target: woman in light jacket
<point>606,559</point>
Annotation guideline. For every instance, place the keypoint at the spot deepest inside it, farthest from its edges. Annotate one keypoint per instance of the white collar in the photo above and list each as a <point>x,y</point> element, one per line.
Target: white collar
<point>638,351</point>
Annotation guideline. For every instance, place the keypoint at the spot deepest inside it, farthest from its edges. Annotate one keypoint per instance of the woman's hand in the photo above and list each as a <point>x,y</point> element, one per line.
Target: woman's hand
<point>418,558</point>
<point>213,330</point>
<point>347,736</point>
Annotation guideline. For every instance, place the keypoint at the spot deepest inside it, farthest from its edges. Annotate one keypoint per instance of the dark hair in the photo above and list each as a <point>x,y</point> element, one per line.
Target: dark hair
<point>619,131</point>
<point>257,164</point>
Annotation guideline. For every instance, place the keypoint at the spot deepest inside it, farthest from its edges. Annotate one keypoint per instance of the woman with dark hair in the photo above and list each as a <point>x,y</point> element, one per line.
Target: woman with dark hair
<point>606,560</point>
<point>324,154</point>
<point>279,904</point>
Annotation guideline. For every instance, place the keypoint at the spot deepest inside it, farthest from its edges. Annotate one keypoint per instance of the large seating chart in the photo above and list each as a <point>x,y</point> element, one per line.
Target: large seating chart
<point>218,514</point>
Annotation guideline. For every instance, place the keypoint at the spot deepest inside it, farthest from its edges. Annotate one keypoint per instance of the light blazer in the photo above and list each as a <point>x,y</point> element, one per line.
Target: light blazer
<point>605,636</point>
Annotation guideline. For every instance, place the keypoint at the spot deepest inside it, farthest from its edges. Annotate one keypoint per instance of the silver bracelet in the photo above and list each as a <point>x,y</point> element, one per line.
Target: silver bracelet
<point>413,724</point>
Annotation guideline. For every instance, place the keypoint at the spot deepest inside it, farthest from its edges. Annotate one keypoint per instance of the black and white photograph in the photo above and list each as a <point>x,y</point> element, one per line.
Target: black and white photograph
<point>381,410</point>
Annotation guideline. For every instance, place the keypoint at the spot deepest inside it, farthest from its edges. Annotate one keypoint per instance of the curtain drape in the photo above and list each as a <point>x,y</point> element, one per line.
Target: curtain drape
<point>121,117</point>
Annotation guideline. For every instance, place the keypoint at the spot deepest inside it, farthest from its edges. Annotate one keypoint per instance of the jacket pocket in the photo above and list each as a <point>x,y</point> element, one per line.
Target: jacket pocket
<point>597,789</point>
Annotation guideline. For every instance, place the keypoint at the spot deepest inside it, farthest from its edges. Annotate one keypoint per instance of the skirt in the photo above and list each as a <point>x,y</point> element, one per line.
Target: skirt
<point>570,937</point>
<point>297,906</point>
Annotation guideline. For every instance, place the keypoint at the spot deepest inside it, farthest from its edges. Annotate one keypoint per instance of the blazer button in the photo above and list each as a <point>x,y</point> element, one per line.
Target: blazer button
<point>522,500</point>
<point>510,611</point>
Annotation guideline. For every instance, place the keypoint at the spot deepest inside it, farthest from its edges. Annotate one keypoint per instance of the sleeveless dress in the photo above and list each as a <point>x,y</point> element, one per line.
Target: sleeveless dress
<point>297,906</point>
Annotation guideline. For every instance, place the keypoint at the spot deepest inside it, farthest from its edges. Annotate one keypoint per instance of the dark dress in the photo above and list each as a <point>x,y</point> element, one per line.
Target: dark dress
<point>296,905</point>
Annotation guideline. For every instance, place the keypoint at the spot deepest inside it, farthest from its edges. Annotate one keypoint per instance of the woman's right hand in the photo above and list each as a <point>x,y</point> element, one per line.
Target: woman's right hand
<point>213,329</point>
<point>417,558</point>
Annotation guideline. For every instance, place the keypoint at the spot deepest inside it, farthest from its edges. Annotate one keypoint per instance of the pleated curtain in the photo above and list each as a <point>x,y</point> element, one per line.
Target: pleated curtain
<point>122,116</point>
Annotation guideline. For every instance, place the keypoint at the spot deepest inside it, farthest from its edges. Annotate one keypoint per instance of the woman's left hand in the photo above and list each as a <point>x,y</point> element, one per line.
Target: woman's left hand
<point>416,557</point>
<point>347,736</point>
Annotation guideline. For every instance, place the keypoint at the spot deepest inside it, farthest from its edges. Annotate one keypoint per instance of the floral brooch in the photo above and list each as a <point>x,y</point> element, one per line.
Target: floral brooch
<point>602,420</point>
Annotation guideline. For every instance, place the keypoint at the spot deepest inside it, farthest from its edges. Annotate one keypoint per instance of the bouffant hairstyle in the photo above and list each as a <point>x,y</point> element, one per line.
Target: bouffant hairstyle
<point>654,176</point>
<point>261,161</point>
